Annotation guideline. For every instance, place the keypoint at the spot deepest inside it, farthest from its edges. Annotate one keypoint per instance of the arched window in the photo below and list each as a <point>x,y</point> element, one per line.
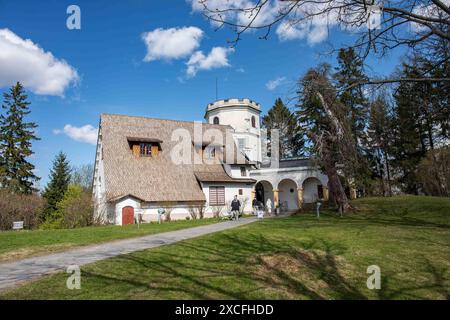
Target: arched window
<point>216,120</point>
<point>253,122</point>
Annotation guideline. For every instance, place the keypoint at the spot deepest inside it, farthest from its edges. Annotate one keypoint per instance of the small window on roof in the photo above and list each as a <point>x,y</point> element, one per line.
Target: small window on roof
<point>243,172</point>
<point>216,120</point>
<point>145,149</point>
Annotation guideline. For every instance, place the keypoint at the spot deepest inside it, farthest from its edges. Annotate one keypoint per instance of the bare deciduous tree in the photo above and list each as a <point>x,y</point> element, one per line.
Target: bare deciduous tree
<point>379,26</point>
<point>323,118</point>
<point>217,210</point>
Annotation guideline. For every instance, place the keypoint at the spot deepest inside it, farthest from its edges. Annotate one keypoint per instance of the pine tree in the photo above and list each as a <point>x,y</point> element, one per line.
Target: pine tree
<point>16,136</point>
<point>291,138</point>
<point>441,90</point>
<point>57,187</point>
<point>350,71</point>
<point>421,119</point>
<point>409,145</point>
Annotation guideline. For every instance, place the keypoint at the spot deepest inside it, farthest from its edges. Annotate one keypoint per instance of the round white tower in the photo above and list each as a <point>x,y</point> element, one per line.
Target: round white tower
<point>243,116</point>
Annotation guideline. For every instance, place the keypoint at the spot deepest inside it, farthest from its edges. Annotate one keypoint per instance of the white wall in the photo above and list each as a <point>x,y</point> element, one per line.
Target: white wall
<point>128,201</point>
<point>179,211</point>
<point>235,171</point>
<point>232,189</point>
<point>299,175</point>
<point>102,209</point>
<point>310,193</point>
<point>239,117</point>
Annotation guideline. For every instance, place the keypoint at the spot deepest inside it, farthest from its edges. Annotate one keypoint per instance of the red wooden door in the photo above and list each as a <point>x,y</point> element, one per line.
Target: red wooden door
<point>127,215</point>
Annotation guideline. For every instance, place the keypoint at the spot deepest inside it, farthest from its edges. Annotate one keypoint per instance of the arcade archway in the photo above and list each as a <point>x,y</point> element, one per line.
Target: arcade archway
<point>263,192</point>
<point>288,196</point>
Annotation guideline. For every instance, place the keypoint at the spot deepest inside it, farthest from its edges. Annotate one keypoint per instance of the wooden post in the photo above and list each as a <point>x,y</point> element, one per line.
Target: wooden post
<point>252,197</point>
<point>300,197</point>
<point>326,194</point>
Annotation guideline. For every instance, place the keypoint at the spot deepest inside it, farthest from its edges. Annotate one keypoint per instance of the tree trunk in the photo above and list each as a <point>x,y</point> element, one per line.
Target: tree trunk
<point>335,187</point>
<point>388,171</point>
<point>381,172</point>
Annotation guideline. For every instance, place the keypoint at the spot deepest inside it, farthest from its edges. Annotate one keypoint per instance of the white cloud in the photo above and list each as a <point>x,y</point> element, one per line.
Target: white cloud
<point>429,10</point>
<point>86,133</point>
<point>38,70</point>
<point>173,43</point>
<point>294,26</point>
<point>275,83</point>
<point>217,58</point>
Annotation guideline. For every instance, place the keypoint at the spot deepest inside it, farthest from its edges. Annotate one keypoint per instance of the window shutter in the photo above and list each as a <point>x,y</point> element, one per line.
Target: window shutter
<point>216,196</point>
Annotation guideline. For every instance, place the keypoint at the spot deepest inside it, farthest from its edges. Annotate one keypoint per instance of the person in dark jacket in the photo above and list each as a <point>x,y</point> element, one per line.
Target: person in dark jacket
<point>235,206</point>
<point>255,206</point>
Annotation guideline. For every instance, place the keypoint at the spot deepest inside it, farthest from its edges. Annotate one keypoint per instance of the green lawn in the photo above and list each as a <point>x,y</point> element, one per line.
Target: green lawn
<point>287,258</point>
<point>21,244</point>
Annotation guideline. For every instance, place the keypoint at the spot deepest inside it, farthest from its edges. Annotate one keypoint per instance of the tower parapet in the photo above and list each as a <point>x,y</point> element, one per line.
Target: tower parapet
<point>233,102</point>
<point>243,116</point>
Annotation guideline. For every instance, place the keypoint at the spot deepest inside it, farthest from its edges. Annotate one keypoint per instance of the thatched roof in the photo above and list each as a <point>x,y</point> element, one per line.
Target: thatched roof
<point>157,179</point>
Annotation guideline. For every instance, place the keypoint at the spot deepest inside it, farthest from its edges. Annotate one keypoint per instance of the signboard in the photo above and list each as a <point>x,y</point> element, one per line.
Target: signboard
<point>17,225</point>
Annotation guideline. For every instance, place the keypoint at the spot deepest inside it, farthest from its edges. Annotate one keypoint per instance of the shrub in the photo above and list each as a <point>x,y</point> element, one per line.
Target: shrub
<point>433,172</point>
<point>197,211</point>
<point>76,208</point>
<point>217,210</point>
<point>19,207</point>
<point>169,207</point>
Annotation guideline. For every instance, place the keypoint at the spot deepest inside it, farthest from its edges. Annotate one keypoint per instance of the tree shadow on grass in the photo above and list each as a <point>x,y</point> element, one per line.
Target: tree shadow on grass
<point>440,284</point>
<point>235,266</point>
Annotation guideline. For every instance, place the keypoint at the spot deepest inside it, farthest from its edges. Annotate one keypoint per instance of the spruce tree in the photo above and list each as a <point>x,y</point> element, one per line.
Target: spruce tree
<point>409,144</point>
<point>349,71</point>
<point>16,136</point>
<point>291,138</point>
<point>57,186</point>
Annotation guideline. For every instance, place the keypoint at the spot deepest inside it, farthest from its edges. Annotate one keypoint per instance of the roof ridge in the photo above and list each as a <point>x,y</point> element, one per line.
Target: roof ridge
<point>160,119</point>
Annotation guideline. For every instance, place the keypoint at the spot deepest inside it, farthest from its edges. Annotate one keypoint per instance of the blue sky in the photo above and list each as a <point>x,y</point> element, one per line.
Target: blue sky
<point>105,65</point>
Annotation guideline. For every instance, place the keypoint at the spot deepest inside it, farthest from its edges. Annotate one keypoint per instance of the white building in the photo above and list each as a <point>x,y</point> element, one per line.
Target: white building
<point>143,164</point>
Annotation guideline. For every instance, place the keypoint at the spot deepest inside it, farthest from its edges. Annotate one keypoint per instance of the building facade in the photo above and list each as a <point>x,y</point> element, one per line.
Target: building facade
<point>194,169</point>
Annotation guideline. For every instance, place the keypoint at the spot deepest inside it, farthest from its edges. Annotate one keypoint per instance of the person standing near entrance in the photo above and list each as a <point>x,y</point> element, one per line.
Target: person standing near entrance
<point>269,206</point>
<point>255,206</point>
<point>235,207</point>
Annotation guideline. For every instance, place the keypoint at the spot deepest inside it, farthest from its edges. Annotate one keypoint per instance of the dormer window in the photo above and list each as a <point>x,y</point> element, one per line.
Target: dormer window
<point>243,172</point>
<point>145,149</point>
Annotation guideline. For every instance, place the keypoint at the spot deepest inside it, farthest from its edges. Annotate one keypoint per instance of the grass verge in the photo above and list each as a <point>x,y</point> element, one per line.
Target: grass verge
<point>22,244</point>
<point>298,257</point>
